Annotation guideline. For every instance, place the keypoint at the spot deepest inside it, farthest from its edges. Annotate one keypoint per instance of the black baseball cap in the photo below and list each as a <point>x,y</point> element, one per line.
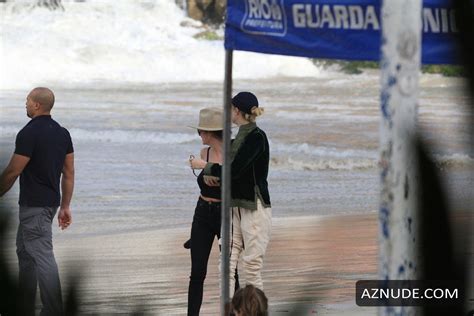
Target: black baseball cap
<point>245,101</point>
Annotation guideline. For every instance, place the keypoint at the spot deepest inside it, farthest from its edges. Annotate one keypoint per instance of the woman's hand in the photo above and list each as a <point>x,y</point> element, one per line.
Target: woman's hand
<point>212,181</point>
<point>197,163</point>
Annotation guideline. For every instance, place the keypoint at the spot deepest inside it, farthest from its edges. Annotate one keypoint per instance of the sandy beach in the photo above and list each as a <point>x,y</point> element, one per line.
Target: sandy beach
<point>312,264</point>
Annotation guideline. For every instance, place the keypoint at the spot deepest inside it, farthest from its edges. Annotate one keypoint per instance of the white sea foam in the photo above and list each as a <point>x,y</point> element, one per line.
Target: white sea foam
<point>122,41</point>
<point>454,160</point>
<point>348,163</point>
<point>321,151</point>
<point>344,116</point>
<point>309,157</point>
<point>8,130</point>
<point>117,136</point>
<point>295,156</point>
<point>127,136</point>
<point>146,107</point>
<point>290,163</point>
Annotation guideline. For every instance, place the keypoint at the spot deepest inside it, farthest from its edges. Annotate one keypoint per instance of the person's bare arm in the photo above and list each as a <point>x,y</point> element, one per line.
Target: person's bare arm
<point>67,187</point>
<point>12,171</point>
<point>199,163</point>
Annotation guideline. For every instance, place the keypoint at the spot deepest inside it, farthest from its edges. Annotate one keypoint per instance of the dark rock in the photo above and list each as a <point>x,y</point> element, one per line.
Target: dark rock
<point>207,11</point>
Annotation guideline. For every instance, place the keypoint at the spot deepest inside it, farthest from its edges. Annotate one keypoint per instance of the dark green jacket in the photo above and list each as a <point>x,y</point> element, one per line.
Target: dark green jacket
<point>250,154</point>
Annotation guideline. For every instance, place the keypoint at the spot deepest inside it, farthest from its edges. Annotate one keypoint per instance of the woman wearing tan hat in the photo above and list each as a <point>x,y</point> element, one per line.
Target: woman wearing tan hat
<point>251,207</point>
<point>207,215</point>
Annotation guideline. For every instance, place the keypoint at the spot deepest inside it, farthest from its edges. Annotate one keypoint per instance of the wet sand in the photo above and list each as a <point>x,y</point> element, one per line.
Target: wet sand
<point>312,262</point>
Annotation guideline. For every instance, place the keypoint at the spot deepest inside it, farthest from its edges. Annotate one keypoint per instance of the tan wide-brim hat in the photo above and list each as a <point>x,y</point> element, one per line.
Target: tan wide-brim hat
<point>210,119</point>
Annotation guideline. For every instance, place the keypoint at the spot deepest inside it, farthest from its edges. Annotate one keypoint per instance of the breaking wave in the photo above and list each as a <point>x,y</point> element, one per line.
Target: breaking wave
<point>120,42</point>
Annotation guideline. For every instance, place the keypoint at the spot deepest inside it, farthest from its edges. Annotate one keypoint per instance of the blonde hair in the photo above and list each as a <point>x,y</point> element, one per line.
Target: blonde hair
<point>256,111</point>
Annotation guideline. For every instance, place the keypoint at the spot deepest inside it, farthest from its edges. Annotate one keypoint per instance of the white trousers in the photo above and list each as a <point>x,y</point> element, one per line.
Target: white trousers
<point>251,230</point>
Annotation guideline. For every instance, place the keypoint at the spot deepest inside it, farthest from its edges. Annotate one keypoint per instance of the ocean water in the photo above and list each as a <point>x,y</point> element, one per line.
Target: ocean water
<point>129,78</point>
<point>132,144</point>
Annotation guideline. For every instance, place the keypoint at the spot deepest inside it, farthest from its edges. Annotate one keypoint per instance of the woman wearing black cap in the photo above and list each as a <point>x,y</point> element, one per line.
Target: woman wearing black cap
<point>251,207</point>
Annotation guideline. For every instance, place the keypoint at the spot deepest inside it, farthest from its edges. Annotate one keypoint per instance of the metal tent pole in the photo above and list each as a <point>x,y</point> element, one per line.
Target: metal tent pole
<point>225,185</point>
<point>400,64</point>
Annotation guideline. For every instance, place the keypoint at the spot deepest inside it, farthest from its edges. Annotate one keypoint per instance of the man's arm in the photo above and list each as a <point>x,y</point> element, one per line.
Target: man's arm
<point>11,172</point>
<point>67,187</point>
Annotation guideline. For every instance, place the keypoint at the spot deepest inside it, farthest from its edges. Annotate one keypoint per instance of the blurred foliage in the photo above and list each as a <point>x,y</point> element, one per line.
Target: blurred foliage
<point>445,70</point>
<point>208,35</point>
<point>357,67</point>
<point>348,67</point>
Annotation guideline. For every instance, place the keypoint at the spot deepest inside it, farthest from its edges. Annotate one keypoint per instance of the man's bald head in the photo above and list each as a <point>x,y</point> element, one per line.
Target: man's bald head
<point>43,96</point>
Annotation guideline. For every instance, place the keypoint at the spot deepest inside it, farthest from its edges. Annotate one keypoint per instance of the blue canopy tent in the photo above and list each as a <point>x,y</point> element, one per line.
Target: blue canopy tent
<point>340,29</point>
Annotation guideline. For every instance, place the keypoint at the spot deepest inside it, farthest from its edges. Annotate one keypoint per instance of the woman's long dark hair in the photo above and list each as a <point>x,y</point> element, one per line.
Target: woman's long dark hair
<point>217,134</point>
<point>250,301</point>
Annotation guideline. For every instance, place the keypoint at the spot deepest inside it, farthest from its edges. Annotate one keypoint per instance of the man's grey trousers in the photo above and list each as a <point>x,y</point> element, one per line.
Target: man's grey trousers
<point>34,245</point>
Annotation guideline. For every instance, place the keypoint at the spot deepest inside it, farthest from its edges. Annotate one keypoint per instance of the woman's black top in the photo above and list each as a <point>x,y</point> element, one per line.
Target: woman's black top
<point>208,191</point>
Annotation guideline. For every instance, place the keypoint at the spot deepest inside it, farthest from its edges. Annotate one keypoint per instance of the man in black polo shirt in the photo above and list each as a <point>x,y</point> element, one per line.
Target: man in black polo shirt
<point>43,151</point>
